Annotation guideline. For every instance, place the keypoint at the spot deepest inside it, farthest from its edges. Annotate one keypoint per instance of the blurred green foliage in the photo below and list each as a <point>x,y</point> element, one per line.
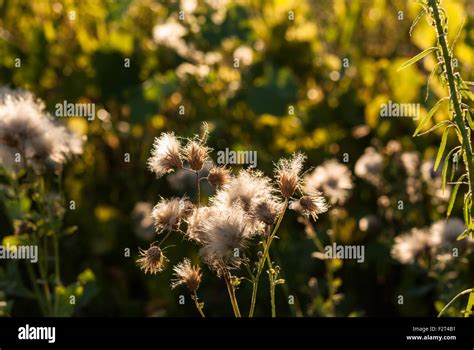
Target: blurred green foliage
<point>314,84</point>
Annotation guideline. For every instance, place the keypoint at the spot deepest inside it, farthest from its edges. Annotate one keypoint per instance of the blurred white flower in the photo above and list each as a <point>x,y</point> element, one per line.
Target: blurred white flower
<point>244,54</point>
<point>370,166</point>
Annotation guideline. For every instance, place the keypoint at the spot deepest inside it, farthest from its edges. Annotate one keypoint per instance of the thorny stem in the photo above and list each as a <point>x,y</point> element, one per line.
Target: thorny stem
<point>231,290</point>
<point>199,305</point>
<point>264,257</point>
<point>455,99</point>
<point>271,280</point>
<point>471,290</point>
<point>453,91</point>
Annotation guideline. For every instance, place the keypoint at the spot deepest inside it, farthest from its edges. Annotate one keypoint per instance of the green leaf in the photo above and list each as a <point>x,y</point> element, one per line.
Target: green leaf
<point>429,115</point>
<point>464,234</point>
<point>444,122</point>
<point>453,195</point>
<point>446,165</point>
<point>442,146</point>
<point>467,209</point>
<point>469,120</point>
<point>417,58</point>
<point>470,305</point>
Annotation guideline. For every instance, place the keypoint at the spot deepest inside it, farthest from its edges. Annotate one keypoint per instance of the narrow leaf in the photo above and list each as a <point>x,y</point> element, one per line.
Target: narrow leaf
<point>446,165</point>
<point>442,146</point>
<point>467,209</point>
<point>444,122</point>
<point>463,235</point>
<point>453,195</point>
<point>416,58</point>
<point>429,115</point>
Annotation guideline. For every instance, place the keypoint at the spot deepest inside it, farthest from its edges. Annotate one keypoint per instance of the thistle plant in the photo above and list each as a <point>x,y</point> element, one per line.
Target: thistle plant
<point>236,229</point>
<point>460,119</point>
<point>33,152</point>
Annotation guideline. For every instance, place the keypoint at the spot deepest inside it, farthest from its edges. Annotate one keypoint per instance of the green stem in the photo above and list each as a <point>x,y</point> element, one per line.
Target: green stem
<point>56,259</point>
<point>199,306</point>
<point>271,280</point>
<point>231,291</point>
<point>329,274</point>
<point>264,258</point>
<point>453,91</point>
<point>471,290</point>
<point>43,269</point>
<point>36,290</point>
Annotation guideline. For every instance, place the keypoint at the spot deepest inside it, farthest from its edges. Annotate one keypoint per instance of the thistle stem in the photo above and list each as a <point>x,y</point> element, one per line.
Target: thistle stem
<point>36,290</point>
<point>456,101</point>
<point>264,258</point>
<point>231,291</point>
<point>198,185</point>
<point>199,306</point>
<point>329,274</point>
<point>453,92</point>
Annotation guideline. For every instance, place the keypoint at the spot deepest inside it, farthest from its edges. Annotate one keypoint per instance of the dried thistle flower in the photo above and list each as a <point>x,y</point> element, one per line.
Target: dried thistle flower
<point>267,211</point>
<point>152,260</point>
<point>287,173</point>
<point>167,214</point>
<point>228,233</point>
<point>165,155</point>
<point>333,179</point>
<point>311,204</point>
<point>187,275</point>
<point>196,154</point>
<point>246,190</point>
<point>196,228</point>
<point>219,176</point>
<point>27,129</point>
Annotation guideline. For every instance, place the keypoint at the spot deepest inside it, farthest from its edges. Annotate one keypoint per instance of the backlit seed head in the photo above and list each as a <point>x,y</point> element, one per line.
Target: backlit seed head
<point>311,204</point>
<point>165,155</point>
<point>267,211</point>
<point>186,274</point>
<point>196,154</point>
<point>152,260</point>
<point>219,176</point>
<point>167,214</point>
<point>287,173</point>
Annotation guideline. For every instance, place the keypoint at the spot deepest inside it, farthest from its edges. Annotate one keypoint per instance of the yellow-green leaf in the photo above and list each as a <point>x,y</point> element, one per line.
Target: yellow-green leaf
<point>417,58</point>
<point>430,114</point>
<point>442,146</point>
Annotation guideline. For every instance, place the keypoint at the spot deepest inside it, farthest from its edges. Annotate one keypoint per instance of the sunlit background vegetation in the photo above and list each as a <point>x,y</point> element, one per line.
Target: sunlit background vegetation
<point>315,84</point>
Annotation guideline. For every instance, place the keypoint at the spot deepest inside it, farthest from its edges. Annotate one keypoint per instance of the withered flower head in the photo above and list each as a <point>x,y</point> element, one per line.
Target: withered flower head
<point>268,211</point>
<point>152,260</point>
<point>186,274</point>
<point>165,156</point>
<point>311,204</point>
<point>228,233</point>
<point>287,173</point>
<point>196,154</point>
<point>167,214</point>
<point>219,176</point>
<point>245,190</point>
